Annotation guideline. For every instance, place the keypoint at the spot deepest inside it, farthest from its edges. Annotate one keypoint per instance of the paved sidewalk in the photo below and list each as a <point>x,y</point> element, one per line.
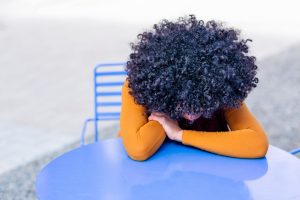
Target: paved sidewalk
<point>21,144</point>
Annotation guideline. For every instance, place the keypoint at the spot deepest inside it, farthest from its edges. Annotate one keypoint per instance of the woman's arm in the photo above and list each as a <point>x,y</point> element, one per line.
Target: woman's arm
<point>141,138</point>
<point>247,138</point>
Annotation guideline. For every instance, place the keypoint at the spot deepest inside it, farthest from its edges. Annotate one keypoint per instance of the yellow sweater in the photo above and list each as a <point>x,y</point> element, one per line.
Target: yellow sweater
<point>142,138</point>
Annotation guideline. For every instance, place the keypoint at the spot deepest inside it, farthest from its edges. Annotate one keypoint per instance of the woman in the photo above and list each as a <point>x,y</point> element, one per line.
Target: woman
<point>187,82</point>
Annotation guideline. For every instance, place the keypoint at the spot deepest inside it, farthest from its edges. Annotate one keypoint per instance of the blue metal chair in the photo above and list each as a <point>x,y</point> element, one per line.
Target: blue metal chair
<point>101,72</point>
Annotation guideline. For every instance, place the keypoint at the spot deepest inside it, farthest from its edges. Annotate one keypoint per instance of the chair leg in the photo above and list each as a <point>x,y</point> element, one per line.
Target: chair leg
<point>294,151</point>
<point>84,130</point>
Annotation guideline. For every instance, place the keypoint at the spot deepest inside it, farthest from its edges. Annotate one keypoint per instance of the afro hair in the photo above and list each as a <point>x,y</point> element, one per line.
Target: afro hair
<point>189,66</point>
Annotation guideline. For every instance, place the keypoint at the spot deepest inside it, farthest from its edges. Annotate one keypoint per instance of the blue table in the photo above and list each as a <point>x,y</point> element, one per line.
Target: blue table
<point>103,170</point>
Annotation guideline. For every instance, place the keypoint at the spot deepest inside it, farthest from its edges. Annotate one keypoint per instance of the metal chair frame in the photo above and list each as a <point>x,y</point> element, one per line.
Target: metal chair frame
<point>295,151</point>
<point>103,115</point>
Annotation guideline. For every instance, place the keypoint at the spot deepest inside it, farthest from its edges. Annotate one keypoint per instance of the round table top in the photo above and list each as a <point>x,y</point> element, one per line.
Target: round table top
<point>103,170</point>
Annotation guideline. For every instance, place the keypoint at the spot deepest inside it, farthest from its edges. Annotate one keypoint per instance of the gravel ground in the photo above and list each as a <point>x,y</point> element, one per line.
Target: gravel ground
<point>274,102</point>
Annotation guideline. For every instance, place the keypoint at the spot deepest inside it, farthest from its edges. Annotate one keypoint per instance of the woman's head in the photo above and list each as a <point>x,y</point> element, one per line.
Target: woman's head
<point>190,67</point>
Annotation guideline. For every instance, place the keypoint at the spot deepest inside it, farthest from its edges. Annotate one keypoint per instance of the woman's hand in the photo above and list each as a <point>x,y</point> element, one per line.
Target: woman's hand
<point>173,131</point>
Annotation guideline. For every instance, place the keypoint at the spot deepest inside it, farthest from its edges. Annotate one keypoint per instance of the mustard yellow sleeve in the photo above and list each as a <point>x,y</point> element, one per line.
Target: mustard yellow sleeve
<point>141,138</point>
<point>246,138</point>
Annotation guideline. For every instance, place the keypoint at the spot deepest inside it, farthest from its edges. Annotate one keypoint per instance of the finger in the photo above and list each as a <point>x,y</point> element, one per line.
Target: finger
<point>152,117</point>
<point>157,118</point>
<point>159,113</point>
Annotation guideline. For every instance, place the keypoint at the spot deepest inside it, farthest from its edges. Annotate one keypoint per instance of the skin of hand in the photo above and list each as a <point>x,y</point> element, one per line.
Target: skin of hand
<point>171,127</point>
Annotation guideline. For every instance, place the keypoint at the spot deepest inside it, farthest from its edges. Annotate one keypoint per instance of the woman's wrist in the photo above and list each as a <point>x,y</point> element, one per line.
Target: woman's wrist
<point>178,136</point>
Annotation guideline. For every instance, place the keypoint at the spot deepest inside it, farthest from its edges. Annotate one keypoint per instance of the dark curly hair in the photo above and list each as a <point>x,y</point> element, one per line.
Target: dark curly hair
<point>189,66</point>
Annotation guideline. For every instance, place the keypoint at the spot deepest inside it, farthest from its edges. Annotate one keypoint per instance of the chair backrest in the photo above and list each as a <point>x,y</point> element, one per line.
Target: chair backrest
<point>108,81</point>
